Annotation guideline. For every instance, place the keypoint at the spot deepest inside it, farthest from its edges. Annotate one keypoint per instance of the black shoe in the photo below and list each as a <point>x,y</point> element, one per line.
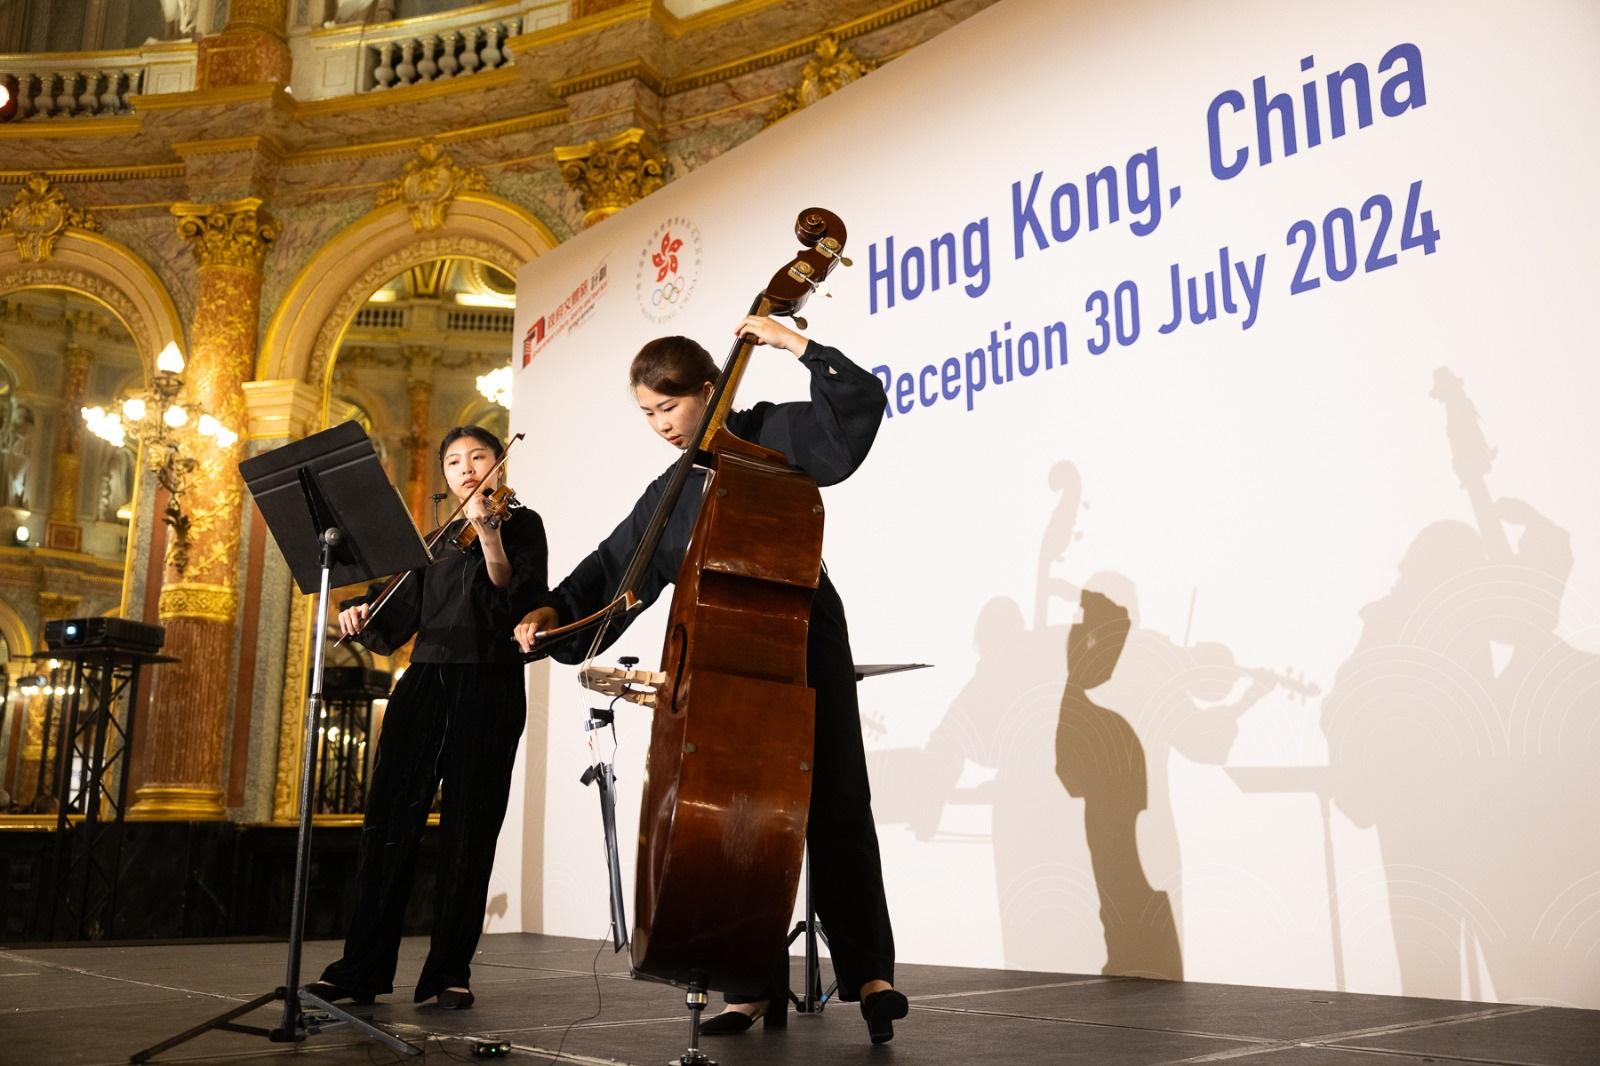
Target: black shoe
<point>329,992</point>
<point>733,1022</point>
<point>881,1009</point>
<point>450,999</point>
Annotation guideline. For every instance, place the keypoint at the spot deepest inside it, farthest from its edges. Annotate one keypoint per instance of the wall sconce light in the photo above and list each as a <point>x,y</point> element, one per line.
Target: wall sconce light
<point>154,418</point>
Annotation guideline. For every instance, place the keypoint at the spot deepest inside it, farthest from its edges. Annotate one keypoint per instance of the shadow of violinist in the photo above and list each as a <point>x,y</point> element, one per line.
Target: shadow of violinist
<point>1024,725</point>
<point>1181,703</point>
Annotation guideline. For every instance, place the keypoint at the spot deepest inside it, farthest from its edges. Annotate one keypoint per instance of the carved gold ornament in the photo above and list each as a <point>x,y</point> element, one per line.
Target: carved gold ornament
<point>446,245</point>
<point>189,599</point>
<point>428,184</point>
<point>54,605</point>
<point>38,215</point>
<point>828,71</point>
<point>612,174</point>
<point>234,234</point>
<point>291,726</point>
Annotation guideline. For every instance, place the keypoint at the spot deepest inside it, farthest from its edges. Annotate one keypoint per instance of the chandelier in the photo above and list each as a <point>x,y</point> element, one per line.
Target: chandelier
<point>495,386</point>
<point>160,425</point>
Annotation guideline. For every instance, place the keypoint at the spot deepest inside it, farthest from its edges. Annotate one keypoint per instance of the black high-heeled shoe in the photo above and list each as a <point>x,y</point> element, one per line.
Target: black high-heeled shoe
<point>329,992</point>
<point>450,999</point>
<point>882,1010</point>
<point>774,1014</point>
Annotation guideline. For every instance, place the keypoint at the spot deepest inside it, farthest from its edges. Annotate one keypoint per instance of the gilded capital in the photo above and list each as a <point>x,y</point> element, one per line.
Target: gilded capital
<point>285,409</point>
<point>612,174</point>
<point>428,184</point>
<point>38,215</point>
<point>54,605</point>
<point>192,599</point>
<point>830,69</point>
<point>270,16</point>
<point>234,234</point>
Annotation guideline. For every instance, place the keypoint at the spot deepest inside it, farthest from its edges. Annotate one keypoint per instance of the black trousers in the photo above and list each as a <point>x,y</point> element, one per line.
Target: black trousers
<point>846,870</point>
<point>452,723</point>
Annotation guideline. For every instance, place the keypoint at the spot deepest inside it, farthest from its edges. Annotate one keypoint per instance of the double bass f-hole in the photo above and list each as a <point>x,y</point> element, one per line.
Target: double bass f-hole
<point>678,648</point>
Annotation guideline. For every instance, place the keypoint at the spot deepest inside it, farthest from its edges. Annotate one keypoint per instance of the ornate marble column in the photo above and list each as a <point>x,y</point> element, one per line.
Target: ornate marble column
<point>62,530</point>
<point>52,605</point>
<point>419,390</point>
<point>611,174</point>
<point>252,48</point>
<point>200,603</point>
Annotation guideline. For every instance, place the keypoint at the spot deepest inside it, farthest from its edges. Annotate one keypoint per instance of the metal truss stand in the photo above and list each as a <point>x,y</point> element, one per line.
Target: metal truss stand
<point>88,777</point>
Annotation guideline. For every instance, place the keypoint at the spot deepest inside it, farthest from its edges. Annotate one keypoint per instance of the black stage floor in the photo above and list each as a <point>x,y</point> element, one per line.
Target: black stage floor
<point>83,1005</point>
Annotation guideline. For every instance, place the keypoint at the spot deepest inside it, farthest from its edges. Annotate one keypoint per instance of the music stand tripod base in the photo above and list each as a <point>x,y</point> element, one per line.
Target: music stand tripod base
<point>816,997</point>
<point>332,510</point>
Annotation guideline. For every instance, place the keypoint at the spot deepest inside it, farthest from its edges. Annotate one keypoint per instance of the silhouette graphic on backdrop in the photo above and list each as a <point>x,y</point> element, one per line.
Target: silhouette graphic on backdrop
<point>1099,760</point>
<point>1462,729</point>
<point>1060,533</point>
<point>1007,743</point>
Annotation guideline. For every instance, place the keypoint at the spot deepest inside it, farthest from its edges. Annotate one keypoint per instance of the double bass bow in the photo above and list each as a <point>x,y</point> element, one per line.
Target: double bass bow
<point>728,775</point>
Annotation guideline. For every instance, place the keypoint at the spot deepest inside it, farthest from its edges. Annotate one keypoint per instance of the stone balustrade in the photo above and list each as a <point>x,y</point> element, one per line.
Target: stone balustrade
<point>349,59</point>
<point>380,316</point>
<point>479,320</point>
<point>66,95</point>
<point>60,85</point>
<point>440,56</point>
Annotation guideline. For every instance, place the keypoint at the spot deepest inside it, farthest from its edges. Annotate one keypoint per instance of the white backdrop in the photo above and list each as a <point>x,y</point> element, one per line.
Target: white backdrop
<point>1352,739</point>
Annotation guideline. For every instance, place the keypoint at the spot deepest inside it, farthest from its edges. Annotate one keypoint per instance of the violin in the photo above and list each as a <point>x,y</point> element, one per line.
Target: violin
<point>462,539</point>
<point>498,505</point>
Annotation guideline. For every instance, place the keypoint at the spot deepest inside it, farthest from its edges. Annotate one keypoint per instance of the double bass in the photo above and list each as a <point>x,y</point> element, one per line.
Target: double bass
<point>728,778</point>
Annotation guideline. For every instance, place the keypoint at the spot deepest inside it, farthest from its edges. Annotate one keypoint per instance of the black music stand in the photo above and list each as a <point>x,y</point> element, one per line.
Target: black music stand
<point>337,520</point>
<point>816,997</point>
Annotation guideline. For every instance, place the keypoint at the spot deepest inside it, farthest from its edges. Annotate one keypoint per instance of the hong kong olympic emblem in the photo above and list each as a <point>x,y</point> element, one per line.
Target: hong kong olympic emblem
<point>669,267</point>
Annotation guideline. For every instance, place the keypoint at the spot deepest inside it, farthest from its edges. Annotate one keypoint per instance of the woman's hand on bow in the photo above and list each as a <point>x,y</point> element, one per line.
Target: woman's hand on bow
<point>533,623</point>
<point>352,620</point>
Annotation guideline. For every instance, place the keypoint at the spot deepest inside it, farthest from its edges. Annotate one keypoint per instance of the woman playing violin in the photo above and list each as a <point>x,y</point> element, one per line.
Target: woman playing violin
<point>454,717</point>
<point>828,437</point>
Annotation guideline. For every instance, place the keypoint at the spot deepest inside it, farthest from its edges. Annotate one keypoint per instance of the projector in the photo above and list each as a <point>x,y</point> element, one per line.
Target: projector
<point>117,634</point>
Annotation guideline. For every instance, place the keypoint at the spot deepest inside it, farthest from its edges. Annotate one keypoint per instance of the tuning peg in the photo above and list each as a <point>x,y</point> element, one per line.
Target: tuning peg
<point>799,321</point>
<point>821,289</point>
<point>846,262</point>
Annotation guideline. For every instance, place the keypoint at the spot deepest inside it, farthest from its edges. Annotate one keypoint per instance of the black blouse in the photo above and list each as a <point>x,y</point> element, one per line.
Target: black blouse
<point>827,437</point>
<point>454,610</point>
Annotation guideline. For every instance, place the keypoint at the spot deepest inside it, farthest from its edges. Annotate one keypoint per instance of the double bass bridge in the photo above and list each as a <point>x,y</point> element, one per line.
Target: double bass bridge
<point>623,682</point>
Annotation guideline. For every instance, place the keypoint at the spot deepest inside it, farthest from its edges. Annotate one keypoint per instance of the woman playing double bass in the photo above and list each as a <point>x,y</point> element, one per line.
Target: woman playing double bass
<point>828,437</point>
